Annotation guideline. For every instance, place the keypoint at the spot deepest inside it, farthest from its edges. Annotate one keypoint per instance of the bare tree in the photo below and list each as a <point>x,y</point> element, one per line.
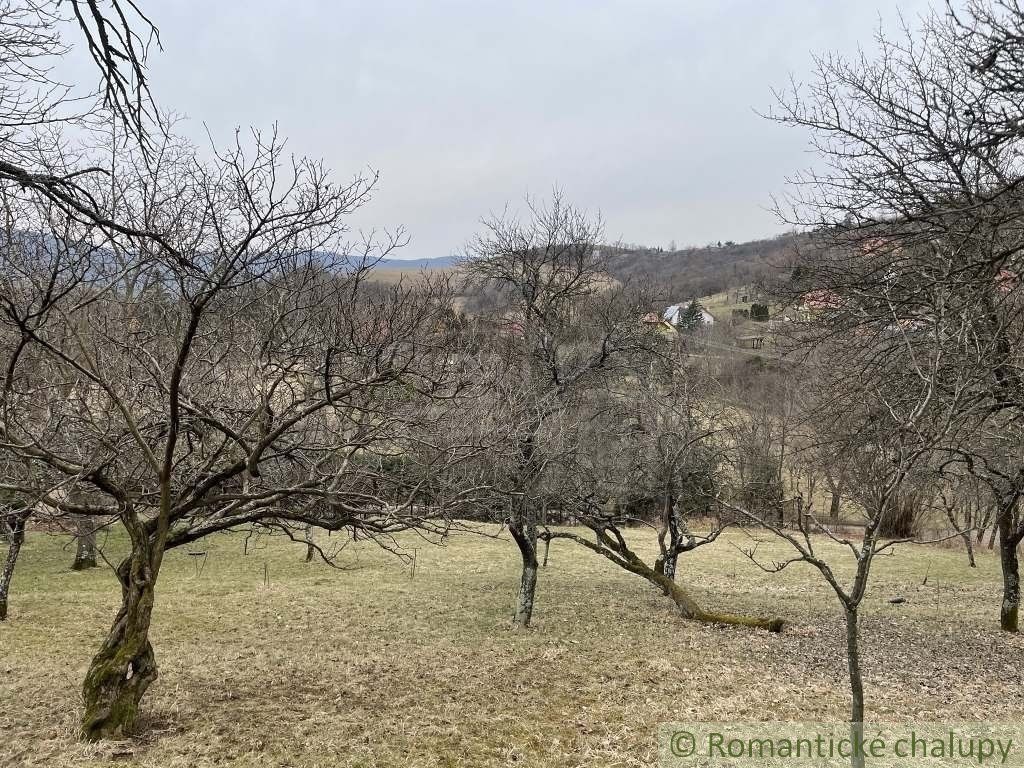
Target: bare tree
<point>13,517</point>
<point>36,107</point>
<point>918,219</point>
<point>962,498</point>
<point>651,450</point>
<point>255,381</point>
<point>875,433</point>
<point>563,326</point>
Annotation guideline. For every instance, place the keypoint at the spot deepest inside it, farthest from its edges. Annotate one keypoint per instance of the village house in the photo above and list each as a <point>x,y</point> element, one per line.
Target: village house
<point>677,315</point>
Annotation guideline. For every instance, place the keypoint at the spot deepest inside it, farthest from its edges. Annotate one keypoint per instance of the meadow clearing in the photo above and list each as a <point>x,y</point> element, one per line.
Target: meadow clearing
<point>266,660</point>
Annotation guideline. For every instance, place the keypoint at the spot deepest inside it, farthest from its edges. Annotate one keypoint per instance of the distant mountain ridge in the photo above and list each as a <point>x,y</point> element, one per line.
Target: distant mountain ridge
<point>438,262</point>
<point>682,273</point>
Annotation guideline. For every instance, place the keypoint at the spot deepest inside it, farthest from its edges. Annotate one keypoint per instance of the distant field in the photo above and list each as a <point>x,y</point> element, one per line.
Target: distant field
<point>722,304</point>
<point>392,275</point>
<point>370,667</point>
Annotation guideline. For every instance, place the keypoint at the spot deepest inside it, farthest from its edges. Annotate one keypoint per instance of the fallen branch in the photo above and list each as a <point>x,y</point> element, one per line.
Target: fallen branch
<point>617,551</point>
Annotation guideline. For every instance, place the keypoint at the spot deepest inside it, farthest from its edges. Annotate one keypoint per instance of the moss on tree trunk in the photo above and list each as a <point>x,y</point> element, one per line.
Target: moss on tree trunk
<point>125,665</point>
<point>690,609</point>
<point>616,551</point>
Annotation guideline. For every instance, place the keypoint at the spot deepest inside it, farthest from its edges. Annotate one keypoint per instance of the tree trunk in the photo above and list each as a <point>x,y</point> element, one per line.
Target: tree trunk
<point>525,537</point>
<point>125,665</point>
<point>15,538</point>
<point>965,534</point>
<point>969,542</point>
<point>833,511</point>
<point>983,524</point>
<point>669,560</point>
<point>670,566</point>
<point>85,545</point>
<point>310,549</point>
<point>856,688</point>
<point>1008,541</point>
<point>688,607</point>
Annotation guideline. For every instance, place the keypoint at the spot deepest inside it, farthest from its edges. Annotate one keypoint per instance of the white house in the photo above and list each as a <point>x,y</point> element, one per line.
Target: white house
<point>674,315</point>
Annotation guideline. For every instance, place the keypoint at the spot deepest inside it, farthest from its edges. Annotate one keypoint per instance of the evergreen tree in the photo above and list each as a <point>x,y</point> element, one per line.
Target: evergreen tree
<point>690,318</point>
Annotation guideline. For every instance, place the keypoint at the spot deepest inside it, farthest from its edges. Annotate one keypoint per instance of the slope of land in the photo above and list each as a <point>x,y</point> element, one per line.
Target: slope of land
<point>692,272</point>
<point>372,667</point>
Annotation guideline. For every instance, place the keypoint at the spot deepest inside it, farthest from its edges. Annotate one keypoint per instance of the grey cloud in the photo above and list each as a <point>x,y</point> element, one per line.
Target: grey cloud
<point>643,109</point>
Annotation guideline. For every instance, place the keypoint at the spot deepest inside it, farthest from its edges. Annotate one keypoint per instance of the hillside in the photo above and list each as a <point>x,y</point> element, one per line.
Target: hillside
<point>679,275</point>
<point>405,265</point>
<point>388,271</point>
<point>692,272</point>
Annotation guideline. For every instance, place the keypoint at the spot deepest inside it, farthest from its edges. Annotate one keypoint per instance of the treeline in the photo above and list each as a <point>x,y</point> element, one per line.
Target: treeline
<point>679,274</point>
<point>703,271</point>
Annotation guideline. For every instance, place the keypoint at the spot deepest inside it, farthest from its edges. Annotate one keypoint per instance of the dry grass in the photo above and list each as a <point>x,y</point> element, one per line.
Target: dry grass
<point>368,667</point>
<point>411,275</point>
<point>720,305</point>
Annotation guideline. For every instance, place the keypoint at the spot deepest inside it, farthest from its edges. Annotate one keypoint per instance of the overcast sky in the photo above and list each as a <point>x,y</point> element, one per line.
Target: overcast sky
<point>643,109</point>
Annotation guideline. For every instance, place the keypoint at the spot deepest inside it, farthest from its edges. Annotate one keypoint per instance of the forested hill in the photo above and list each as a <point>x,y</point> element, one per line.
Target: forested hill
<point>687,272</point>
<point>706,270</point>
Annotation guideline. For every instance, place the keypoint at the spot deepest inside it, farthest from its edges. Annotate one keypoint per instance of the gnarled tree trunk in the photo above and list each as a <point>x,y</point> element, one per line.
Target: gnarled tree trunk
<point>616,551</point>
<point>690,609</point>
<point>125,665</point>
<point>524,532</point>
<point>15,534</point>
<point>669,565</point>
<point>669,560</point>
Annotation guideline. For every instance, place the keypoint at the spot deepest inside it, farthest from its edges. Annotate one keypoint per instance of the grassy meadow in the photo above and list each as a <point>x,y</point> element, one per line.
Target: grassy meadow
<point>269,661</point>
